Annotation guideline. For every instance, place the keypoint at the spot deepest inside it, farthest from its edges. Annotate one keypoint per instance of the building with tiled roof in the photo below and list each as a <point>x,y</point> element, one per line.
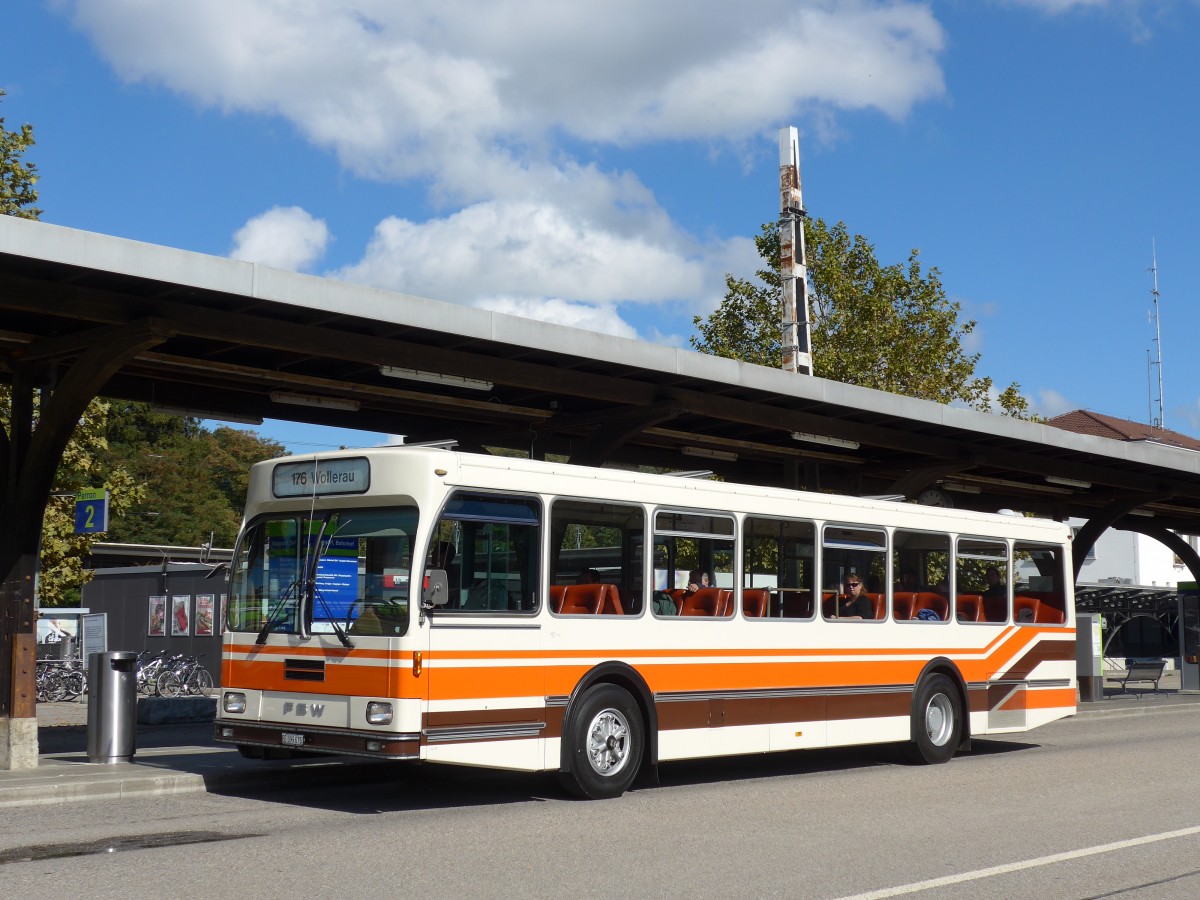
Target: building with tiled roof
<point>1084,421</point>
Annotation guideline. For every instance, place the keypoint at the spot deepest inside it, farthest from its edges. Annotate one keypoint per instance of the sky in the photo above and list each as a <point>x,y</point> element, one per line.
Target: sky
<point>604,166</point>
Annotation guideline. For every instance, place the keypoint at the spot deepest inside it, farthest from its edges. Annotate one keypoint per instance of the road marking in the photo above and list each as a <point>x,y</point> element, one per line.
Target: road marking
<point>991,872</point>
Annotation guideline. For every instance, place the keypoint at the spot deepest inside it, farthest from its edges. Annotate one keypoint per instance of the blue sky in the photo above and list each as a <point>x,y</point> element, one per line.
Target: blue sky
<point>606,172</point>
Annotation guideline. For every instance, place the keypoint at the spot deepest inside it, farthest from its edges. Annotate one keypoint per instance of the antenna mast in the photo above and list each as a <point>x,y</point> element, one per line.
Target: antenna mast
<point>793,268</point>
<point>1158,422</point>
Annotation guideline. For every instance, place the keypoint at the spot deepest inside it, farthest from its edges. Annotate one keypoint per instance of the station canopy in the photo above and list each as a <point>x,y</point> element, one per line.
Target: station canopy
<point>245,342</point>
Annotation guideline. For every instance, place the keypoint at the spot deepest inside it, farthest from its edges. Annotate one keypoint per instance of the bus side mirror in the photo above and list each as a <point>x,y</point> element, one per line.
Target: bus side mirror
<point>436,590</point>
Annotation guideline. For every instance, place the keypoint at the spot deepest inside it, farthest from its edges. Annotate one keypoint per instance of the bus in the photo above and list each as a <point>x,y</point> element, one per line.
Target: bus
<point>419,603</point>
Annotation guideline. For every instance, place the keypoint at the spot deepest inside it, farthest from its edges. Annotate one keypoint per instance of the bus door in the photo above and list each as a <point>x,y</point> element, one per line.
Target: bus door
<point>485,679</point>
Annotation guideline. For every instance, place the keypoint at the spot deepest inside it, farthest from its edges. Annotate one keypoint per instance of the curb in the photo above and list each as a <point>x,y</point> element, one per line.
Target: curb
<point>125,781</point>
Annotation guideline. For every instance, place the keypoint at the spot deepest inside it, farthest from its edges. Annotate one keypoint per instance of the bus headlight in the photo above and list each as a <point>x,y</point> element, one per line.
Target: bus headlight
<point>379,713</point>
<point>234,702</point>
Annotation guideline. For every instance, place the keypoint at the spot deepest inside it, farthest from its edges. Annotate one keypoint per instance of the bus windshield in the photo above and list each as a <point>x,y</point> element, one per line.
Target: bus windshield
<point>325,571</point>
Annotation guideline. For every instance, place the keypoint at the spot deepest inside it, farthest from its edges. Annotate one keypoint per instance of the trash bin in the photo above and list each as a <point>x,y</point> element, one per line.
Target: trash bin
<point>112,706</point>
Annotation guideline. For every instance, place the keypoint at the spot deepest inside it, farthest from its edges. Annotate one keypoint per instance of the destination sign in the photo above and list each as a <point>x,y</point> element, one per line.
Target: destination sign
<point>322,478</point>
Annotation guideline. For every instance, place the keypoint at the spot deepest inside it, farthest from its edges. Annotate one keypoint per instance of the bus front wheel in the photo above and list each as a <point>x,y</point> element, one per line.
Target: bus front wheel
<point>605,740</point>
<point>937,721</point>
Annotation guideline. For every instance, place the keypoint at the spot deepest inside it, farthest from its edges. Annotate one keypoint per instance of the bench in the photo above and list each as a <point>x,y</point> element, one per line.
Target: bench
<point>1141,671</point>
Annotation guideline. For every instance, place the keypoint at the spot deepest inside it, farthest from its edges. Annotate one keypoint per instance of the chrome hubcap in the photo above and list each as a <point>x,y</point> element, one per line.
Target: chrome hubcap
<point>608,742</point>
<point>939,720</point>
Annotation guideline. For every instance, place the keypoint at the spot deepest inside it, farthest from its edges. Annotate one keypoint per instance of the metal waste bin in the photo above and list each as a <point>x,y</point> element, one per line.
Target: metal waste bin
<point>112,706</point>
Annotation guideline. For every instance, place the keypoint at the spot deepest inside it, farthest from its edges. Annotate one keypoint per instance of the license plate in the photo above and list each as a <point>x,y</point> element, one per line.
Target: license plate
<point>292,740</point>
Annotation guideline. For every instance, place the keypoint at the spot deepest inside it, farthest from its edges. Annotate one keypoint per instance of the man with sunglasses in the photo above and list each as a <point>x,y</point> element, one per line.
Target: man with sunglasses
<point>855,604</point>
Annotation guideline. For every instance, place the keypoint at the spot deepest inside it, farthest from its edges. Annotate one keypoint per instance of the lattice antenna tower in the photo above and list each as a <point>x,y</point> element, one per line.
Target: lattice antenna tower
<point>1156,422</point>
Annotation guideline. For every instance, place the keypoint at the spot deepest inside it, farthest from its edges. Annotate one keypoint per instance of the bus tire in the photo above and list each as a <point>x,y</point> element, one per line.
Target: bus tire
<point>606,742</point>
<point>937,721</point>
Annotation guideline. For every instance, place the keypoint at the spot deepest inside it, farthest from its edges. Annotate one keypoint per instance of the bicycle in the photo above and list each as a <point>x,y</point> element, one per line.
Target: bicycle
<point>148,669</point>
<point>187,676</point>
<point>50,684</point>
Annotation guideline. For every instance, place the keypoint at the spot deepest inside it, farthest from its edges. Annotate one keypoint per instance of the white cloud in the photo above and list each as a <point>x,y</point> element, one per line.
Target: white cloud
<point>405,89</point>
<point>525,250</point>
<point>282,237</point>
<point>1055,7</point>
<point>1051,403</point>
<point>495,107</point>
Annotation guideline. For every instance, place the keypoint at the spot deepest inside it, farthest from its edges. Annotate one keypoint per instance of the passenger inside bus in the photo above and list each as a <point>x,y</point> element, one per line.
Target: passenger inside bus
<point>995,584</point>
<point>855,604</point>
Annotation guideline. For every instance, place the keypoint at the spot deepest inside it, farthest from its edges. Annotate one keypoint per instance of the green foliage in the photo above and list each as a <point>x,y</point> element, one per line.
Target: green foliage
<point>884,327</point>
<point>195,479</point>
<point>170,481</point>
<point>63,552</point>
<point>17,177</point>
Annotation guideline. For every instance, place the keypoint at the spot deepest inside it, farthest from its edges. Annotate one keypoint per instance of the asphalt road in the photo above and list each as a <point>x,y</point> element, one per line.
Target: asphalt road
<point>1084,808</point>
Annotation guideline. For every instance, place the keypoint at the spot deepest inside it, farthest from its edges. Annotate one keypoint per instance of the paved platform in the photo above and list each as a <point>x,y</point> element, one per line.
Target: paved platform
<point>181,758</point>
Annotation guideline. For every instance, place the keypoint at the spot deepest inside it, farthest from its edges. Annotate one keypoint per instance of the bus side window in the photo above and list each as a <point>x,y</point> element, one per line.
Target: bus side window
<point>697,549</point>
<point>596,558</point>
<point>1040,588</point>
<point>853,555</point>
<point>778,560</point>
<point>488,546</point>
<point>981,580</point>
<point>921,575</point>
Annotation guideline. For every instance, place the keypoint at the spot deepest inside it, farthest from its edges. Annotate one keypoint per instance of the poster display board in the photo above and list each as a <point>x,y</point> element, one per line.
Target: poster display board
<point>157,622</point>
<point>204,614</point>
<point>95,633</point>
<point>181,615</point>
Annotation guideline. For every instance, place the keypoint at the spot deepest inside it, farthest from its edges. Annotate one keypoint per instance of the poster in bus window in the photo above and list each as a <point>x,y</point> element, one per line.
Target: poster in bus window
<point>181,624</point>
<point>224,611</point>
<point>204,614</point>
<point>158,617</point>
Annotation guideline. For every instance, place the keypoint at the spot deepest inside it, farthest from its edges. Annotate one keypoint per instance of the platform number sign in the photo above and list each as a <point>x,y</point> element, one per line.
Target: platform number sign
<point>91,512</point>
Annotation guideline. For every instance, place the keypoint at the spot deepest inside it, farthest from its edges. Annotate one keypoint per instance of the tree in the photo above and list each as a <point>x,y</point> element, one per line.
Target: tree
<point>17,177</point>
<point>63,551</point>
<point>885,327</point>
<point>196,479</point>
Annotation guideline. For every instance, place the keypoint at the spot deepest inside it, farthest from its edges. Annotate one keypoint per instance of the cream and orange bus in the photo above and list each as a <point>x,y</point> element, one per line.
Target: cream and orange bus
<point>425,604</point>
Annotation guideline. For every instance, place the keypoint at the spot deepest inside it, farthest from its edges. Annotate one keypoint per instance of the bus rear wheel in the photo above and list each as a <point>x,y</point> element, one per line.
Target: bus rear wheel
<point>605,740</point>
<point>937,721</point>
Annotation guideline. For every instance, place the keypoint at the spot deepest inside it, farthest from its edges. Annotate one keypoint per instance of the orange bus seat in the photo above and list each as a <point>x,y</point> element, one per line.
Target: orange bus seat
<point>931,601</point>
<point>902,605</point>
<point>1050,607</point>
<point>879,602</point>
<point>610,602</point>
<point>583,599</point>
<point>704,602</point>
<point>1025,608</point>
<point>677,596</point>
<point>970,607</point>
<point>754,602</point>
<point>829,604</point>
<point>725,606</point>
<point>1049,615</point>
<point>557,593</point>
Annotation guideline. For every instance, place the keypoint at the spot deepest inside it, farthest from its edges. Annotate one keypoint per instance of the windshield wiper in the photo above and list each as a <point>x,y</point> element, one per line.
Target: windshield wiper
<point>274,611</point>
<point>337,629</point>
